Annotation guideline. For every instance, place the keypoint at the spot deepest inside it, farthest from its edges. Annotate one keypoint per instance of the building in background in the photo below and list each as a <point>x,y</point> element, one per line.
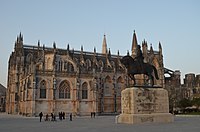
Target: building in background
<point>191,86</point>
<point>2,98</point>
<point>174,88</point>
<point>189,90</point>
<point>51,80</point>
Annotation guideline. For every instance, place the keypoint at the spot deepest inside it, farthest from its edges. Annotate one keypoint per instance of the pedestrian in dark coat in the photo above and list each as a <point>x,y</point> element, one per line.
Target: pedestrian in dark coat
<point>70,117</point>
<point>41,115</point>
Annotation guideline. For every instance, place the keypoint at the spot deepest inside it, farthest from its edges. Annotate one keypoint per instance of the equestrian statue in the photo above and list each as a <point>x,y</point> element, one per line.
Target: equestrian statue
<point>137,66</point>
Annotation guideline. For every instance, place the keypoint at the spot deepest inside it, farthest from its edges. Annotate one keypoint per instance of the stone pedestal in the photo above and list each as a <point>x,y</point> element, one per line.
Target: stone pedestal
<point>141,105</point>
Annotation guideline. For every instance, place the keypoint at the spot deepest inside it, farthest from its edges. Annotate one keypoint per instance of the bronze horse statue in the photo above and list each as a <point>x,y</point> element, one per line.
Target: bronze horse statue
<point>138,67</point>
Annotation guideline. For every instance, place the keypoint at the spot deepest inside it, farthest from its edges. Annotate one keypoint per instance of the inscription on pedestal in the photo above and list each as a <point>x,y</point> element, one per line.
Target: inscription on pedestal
<point>144,101</point>
<point>140,105</point>
<point>147,119</point>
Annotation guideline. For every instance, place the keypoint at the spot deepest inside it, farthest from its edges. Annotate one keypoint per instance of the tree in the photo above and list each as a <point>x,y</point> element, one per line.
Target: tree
<point>196,102</point>
<point>184,103</point>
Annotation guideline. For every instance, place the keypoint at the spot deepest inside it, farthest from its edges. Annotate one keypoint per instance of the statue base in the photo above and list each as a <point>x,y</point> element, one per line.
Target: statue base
<point>144,105</point>
<point>144,118</point>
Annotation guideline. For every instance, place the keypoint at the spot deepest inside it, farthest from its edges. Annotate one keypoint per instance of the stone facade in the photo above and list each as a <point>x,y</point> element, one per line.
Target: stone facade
<point>52,80</point>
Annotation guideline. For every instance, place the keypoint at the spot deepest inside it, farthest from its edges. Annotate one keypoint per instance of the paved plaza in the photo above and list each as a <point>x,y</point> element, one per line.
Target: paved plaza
<point>16,123</point>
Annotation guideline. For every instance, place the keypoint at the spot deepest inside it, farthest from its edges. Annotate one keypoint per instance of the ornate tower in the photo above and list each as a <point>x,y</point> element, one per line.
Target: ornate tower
<point>19,45</point>
<point>134,45</point>
<point>104,45</point>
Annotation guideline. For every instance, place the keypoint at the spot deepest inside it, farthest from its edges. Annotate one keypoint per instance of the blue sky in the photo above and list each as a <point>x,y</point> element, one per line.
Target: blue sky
<point>175,23</point>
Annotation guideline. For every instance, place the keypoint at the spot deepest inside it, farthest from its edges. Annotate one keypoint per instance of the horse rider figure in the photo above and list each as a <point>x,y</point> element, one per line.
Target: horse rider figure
<point>138,66</point>
<point>139,57</point>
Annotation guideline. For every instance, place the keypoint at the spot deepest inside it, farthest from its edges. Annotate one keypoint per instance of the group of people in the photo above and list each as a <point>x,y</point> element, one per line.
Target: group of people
<point>61,115</point>
<point>93,114</point>
<point>53,116</point>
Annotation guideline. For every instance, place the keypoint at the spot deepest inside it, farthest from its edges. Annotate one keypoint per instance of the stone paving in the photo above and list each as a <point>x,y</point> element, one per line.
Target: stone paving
<point>16,123</point>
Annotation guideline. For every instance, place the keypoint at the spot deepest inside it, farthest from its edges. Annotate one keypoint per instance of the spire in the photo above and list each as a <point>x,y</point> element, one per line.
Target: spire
<point>43,48</point>
<point>54,45</point>
<point>118,59</point>
<point>144,47</point>
<point>109,52</point>
<point>20,37</point>
<point>160,48</point>
<point>145,50</point>
<point>38,47</point>
<point>68,47</point>
<point>134,45</point>
<point>81,56</point>
<point>127,53</point>
<point>95,62</point>
<point>104,46</point>
<point>38,43</point>
<point>151,50</point>
<point>19,44</point>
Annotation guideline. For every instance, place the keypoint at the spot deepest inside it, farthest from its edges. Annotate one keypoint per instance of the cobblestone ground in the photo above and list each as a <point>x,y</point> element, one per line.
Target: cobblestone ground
<point>16,123</point>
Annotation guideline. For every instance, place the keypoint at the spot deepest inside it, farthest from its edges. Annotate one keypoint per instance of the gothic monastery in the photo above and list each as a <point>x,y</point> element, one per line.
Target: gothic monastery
<point>51,80</point>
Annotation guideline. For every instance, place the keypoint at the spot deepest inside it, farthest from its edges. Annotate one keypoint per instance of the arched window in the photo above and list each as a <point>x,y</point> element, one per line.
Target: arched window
<point>65,65</point>
<point>113,64</point>
<point>101,65</point>
<point>120,82</point>
<point>85,91</point>
<point>88,64</point>
<point>64,90</point>
<point>71,67</point>
<point>108,86</point>
<point>108,79</point>
<point>43,86</point>
<point>29,58</point>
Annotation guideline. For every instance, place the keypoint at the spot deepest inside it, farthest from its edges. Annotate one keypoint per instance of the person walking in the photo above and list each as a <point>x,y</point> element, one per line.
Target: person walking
<point>63,115</point>
<point>52,117</point>
<point>70,117</point>
<point>91,114</point>
<point>41,115</point>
